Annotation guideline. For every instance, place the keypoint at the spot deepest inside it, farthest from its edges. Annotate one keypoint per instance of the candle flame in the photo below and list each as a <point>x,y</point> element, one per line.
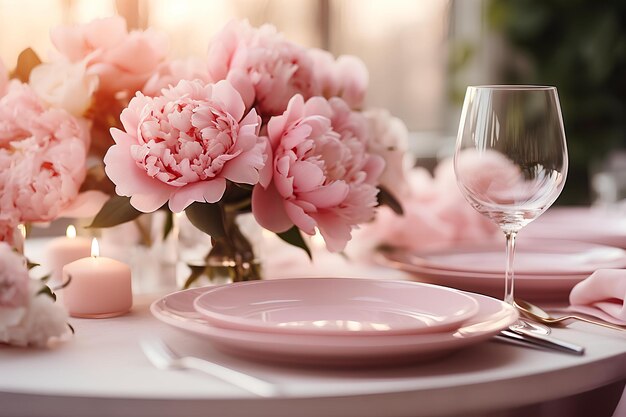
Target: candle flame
<point>71,231</point>
<point>95,249</point>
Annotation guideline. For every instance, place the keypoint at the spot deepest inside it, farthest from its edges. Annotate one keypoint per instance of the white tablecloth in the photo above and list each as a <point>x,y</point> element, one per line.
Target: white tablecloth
<point>102,372</point>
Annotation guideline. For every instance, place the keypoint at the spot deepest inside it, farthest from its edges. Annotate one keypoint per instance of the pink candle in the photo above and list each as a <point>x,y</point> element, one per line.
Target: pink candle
<point>100,287</point>
<point>62,251</point>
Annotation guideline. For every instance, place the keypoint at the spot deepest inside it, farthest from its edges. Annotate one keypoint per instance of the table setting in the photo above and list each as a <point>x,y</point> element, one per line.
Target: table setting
<point>296,258</point>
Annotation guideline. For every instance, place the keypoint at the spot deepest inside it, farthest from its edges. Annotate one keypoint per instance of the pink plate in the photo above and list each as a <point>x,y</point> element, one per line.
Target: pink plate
<point>600,225</point>
<point>532,257</point>
<point>334,350</point>
<point>532,287</point>
<point>336,306</point>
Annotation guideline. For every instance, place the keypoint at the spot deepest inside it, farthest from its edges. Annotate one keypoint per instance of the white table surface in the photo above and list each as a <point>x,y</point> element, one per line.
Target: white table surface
<point>103,372</point>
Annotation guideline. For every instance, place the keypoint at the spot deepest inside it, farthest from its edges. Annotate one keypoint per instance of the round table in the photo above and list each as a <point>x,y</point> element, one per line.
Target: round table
<point>103,372</point>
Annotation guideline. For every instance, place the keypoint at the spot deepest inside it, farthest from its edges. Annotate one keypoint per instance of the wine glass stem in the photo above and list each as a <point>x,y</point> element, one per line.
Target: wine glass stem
<point>508,272</point>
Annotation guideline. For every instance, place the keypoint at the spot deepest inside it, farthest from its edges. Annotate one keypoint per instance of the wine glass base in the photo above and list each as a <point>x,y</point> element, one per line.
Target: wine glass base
<point>531,327</point>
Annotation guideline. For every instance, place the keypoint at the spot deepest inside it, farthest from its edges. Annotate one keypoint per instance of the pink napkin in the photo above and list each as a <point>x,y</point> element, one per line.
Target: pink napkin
<point>602,295</point>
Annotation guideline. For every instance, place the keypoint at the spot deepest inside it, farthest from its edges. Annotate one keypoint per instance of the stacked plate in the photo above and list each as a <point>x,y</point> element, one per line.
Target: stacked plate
<point>335,321</point>
<point>604,226</point>
<point>545,269</point>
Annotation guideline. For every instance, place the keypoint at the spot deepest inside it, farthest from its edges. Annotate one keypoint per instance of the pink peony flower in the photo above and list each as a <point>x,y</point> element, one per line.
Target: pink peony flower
<point>171,72</point>
<point>435,215</point>
<point>4,78</point>
<point>389,139</point>
<point>347,77</point>
<point>184,145</point>
<point>277,69</point>
<point>322,176</point>
<point>42,157</point>
<point>13,279</point>
<point>9,232</point>
<point>8,222</point>
<point>123,61</point>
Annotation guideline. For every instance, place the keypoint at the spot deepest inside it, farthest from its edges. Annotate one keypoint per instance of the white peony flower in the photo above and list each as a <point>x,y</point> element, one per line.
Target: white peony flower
<point>13,280</point>
<point>43,322</point>
<point>26,317</point>
<point>388,138</point>
<point>64,84</point>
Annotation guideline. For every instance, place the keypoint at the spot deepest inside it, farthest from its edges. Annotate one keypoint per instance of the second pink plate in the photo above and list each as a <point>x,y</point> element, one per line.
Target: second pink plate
<point>336,306</point>
<point>532,257</point>
<point>532,287</point>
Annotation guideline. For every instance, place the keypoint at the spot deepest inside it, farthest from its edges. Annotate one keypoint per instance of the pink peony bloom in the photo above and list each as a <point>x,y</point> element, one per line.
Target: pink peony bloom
<point>389,138</point>
<point>123,61</point>
<point>277,69</point>
<point>184,145</point>
<point>171,72</point>
<point>4,78</point>
<point>42,156</point>
<point>9,232</point>
<point>435,215</point>
<point>322,176</point>
<point>347,77</point>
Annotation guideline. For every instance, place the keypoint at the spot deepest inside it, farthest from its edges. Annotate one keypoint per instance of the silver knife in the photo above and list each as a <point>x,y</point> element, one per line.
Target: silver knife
<point>525,337</point>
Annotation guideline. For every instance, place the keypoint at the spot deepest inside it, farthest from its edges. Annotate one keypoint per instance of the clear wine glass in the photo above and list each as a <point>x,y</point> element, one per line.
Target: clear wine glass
<point>511,157</point>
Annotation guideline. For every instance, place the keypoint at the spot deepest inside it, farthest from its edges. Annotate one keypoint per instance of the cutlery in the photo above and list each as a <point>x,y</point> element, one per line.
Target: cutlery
<point>519,334</point>
<point>518,340</point>
<point>536,313</point>
<point>163,357</point>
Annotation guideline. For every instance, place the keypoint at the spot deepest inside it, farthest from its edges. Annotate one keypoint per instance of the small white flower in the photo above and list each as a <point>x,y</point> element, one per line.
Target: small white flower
<point>388,138</point>
<point>42,322</point>
<point>64,84</point>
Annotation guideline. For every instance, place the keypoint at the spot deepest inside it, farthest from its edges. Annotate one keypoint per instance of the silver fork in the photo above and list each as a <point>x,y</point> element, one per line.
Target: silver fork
<point>163,357</point>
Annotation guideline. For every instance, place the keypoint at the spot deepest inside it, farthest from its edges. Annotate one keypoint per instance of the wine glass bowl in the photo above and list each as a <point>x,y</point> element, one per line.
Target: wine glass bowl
<point>511,157</point>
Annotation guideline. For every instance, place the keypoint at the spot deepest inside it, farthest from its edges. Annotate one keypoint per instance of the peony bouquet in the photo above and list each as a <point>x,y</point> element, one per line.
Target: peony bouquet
<point>260,125</point>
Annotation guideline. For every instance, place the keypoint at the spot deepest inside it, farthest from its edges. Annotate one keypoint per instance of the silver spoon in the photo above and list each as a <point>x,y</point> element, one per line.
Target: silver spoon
<point>163,357</point>
<point>536,313</point>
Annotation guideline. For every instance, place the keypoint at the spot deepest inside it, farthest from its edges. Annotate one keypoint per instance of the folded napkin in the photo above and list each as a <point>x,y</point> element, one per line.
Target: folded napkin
<point>602,295</point>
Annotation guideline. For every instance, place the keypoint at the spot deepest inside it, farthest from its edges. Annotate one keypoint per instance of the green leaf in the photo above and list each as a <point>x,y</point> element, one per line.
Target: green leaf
<point>116,210</point>
<point>65,284</point>
<point>387,199</point>
<point>207,217</point>
<point>26,61</point>
<point>47,291</point>
<point>169,224</point>
<point>293,237</point>
<point>196,272</point>
<point>71,328</point>
<point>30,265</point>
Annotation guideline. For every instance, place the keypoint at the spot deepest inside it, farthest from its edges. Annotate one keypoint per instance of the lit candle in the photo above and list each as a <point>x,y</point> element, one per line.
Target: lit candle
<point>63,250</point>
<point>98,287</point>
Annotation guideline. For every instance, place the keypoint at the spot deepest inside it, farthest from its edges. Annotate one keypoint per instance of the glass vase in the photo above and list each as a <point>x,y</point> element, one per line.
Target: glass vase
<point>203,260</point>
<point>148,245</point>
